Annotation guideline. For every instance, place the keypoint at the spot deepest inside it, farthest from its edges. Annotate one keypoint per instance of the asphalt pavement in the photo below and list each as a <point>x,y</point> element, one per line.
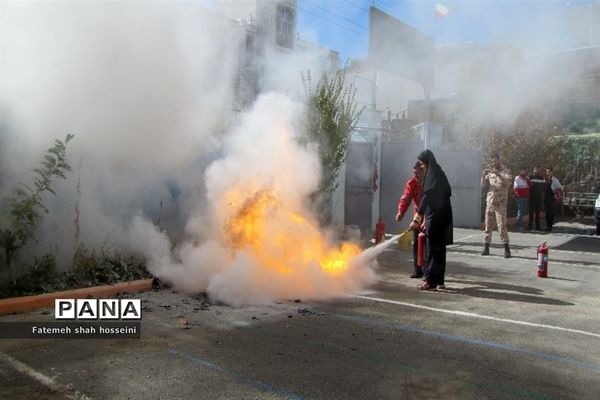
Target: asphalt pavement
<point>496,332</point>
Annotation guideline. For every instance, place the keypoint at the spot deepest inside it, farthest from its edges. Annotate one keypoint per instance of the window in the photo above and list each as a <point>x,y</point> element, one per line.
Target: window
<point>285,26</point>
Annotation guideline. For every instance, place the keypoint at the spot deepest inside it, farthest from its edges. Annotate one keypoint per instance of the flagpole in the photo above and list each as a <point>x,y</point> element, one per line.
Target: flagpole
<point>590,24</point>
<point>431,84</point>
<point>435,22</point>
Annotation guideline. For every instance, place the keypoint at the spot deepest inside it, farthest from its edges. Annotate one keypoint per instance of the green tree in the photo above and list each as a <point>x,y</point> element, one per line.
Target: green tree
<point>332,114</point>
<point>20,213</point>
<point>579,161</point>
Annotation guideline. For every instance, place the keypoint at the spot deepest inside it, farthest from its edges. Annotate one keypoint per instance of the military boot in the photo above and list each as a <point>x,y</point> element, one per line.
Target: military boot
<point>486,249</point>
<point>506,251</point>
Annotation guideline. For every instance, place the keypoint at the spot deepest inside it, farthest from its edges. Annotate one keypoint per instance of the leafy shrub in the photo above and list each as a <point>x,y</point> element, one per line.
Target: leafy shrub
<point>91,269</point>
<point>20,213</point>
<point>580,161</point>
<point>88,269</point>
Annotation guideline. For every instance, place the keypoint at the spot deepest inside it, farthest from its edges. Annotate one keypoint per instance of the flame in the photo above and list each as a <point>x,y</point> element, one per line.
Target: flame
<point>280,236</point>
<point>337,260</point>
<point>248,225</point>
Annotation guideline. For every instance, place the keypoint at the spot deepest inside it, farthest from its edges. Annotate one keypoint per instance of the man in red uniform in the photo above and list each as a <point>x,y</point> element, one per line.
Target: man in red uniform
<point>412,192</point>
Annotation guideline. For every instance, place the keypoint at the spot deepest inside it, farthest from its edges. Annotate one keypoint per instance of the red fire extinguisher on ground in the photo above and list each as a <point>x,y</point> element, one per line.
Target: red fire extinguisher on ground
<point>379,231</point>
<point>421,250</point>
<point>542,254</point>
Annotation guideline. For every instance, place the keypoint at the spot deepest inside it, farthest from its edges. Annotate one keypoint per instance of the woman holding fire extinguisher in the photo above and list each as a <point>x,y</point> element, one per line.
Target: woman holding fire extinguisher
<point>435,217</point>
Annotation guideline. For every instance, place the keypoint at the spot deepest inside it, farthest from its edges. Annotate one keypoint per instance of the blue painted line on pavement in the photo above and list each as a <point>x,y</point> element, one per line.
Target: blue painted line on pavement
<point>239,377</point>
<point>477,342</point>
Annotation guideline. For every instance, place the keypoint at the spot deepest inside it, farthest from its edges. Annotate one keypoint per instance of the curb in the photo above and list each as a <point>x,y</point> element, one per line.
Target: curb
<point>16,305</point>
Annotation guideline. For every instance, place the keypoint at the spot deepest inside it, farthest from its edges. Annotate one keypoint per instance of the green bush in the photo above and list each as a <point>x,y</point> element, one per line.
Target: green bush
<point>20,213</point>
<point>579,158</point>
<point>88,269</point>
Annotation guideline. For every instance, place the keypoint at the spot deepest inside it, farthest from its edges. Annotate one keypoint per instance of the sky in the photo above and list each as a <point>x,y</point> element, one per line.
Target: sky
<point>536,25</point>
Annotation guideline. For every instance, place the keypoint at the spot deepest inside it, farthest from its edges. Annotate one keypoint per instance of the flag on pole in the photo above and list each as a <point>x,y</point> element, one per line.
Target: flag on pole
<point>442,10</point>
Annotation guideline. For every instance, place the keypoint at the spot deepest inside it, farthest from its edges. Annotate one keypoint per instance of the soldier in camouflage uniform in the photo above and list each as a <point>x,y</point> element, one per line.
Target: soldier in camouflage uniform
<point>499,179</point>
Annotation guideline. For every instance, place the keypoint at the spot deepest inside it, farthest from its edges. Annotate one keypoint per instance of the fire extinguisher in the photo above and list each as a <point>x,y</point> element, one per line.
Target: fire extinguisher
<point>421,250</point>
<point>379,231</point>
<point>542,256</point>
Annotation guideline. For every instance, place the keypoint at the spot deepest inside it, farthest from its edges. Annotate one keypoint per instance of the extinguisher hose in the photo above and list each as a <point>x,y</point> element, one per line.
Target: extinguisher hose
<point>403,233</point>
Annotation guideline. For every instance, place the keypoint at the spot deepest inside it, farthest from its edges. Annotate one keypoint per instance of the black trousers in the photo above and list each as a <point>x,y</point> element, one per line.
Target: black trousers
<point>534,209</point>
<point>436,265</point>
<point>549,208</point>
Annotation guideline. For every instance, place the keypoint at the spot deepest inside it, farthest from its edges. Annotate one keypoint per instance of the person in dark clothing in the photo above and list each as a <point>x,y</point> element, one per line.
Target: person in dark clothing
<point>536,189</point>
<point>435,213</point>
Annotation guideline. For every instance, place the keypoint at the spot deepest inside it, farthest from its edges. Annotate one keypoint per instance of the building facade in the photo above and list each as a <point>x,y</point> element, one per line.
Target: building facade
<point>267,31</point>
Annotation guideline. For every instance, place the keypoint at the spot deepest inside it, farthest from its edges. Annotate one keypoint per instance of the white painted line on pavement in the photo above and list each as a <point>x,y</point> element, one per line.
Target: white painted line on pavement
<point>41,378</point>
<point>473,315</point>
<point>587,253</point>
<point>464,253</point>
<point>457,244</point>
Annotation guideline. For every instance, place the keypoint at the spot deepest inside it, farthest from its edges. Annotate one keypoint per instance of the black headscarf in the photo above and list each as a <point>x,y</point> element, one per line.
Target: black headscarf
<point>435,179</point>
<point>435,204</point>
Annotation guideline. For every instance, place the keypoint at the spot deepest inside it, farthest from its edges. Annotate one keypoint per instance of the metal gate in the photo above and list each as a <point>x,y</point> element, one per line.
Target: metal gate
<point>358,193</point>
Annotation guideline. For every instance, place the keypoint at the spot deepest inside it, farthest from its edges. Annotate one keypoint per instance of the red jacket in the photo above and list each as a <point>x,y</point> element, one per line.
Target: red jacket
<point>412,192</point>
<point>521,186</point>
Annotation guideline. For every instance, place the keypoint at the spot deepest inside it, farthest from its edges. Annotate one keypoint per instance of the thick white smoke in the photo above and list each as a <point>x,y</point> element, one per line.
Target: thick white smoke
<point>261,154</point>
<point>145,88</point>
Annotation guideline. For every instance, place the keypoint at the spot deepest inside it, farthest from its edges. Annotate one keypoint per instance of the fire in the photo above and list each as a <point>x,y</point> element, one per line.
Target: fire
<point>337,260</point>
<point>253,241</point>
<point>249,224</point>
<point>279,236</point>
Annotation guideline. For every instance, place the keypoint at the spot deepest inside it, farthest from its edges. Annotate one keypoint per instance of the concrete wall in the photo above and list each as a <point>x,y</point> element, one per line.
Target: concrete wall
<point>463,169</point>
